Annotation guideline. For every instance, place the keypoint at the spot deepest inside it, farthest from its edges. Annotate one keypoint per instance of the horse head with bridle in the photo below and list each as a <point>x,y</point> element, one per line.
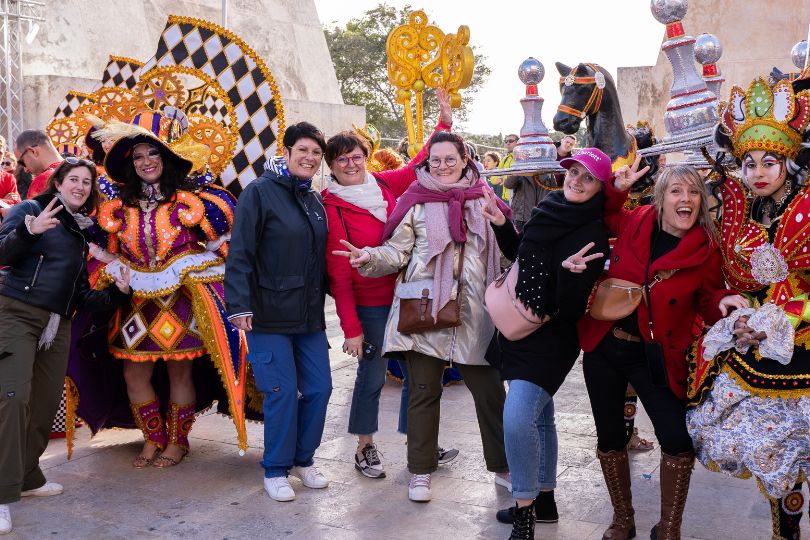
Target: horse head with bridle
<point>588,92</point>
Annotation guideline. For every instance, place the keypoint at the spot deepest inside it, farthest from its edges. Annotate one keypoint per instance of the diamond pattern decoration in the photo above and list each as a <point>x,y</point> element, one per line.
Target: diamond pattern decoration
<point>167,330</point>
<point>246,81</point>
<point>134,330</point>
<point>120,72</point>
<point>72,101</point>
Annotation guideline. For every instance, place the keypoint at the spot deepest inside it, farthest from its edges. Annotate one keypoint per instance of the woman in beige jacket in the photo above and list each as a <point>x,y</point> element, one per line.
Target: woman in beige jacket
<point>437,221</point>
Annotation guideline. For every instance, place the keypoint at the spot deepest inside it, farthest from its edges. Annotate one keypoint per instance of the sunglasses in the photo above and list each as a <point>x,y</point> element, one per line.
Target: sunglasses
<point>73,160</point>
<point>21,159</point>
<point>511,141</point>
<point>6,164</point>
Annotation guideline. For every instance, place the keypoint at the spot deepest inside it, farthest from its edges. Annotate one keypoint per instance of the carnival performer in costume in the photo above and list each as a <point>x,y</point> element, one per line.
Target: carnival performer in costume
<point>173,231</point>
<point>750,379</point>
<point>43,247</point>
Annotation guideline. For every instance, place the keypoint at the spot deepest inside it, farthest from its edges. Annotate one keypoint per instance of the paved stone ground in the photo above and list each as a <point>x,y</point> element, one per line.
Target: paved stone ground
<point>217,494</point>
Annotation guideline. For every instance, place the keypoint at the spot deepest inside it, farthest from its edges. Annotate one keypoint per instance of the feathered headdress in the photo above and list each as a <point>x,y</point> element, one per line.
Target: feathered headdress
<point>167,129</point>
<point>764,118</point>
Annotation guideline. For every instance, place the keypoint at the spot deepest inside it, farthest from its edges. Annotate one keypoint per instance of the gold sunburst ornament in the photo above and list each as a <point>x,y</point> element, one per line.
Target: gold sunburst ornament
<point>421,55</point>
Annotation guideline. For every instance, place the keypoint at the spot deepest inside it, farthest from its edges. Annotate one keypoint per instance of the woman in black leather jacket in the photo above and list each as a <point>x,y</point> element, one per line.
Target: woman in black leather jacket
<point>43,250</point>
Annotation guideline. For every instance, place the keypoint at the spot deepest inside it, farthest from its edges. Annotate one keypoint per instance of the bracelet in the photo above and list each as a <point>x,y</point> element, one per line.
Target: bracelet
<point>28,221</point>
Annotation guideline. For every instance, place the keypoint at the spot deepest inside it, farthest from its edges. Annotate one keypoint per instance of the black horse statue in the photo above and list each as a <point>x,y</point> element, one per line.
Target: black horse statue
<point>588,91</point>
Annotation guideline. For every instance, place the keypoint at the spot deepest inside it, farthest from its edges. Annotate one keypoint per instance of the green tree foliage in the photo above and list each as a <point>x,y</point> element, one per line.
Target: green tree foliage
<point>358,53</point>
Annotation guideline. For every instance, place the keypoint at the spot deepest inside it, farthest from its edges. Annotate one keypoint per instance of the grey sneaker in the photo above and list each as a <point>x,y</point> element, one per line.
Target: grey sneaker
<point>367,461</point>
<point>446,456</point>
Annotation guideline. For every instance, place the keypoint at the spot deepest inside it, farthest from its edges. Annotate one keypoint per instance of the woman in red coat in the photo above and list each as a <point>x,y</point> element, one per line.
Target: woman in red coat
<point>674,241</point>
<point>358,203</point>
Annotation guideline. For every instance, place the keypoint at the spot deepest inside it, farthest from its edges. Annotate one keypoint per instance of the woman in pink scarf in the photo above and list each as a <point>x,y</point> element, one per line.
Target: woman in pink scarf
<point>437,221</point>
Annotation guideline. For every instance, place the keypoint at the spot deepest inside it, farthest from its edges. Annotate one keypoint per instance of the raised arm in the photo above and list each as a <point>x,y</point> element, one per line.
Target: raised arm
<point>398,180</point>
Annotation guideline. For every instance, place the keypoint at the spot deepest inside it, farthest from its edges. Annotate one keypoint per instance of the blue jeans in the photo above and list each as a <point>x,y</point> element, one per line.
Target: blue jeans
<point>530,437</point>
<point>285,365</point>
<point>370,373</point>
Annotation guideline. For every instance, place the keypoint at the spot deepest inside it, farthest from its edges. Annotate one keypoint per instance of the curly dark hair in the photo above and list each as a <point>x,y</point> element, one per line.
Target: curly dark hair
<point>60,173</point>
<point>171,180</point>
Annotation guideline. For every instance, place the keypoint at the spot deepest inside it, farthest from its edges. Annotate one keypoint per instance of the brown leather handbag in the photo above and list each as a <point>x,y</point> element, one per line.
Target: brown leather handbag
<point>617,298</point>
<point>416,305</point>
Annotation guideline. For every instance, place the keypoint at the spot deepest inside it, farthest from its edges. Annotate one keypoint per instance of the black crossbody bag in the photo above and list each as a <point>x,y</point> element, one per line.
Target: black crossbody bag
<point>653,350</point>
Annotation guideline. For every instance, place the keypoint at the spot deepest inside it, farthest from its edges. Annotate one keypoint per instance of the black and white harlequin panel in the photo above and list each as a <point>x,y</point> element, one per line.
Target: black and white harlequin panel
<point>120,73</point>
<point>71,102</point>
<point>245,80</point>
<point>60,420</point>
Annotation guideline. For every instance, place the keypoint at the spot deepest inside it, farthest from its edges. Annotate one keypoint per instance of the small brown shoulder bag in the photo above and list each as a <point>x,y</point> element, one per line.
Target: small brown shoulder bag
<point>416,305</point>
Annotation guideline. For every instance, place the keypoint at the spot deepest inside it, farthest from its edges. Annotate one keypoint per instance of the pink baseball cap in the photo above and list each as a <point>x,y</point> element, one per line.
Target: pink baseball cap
<point>597,162</point>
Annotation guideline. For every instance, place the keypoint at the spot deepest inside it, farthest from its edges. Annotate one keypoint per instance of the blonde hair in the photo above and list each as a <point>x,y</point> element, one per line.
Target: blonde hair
<point>690,175</point>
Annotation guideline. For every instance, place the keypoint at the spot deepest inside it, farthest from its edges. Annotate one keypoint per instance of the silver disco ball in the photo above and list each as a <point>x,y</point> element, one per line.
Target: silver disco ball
<point>708,49</point>
<point>531,71</point>
<point>668,11</point>
<point>799,54</point>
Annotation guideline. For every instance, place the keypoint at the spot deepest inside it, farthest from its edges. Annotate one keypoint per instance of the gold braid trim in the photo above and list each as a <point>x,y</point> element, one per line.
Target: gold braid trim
<point>128,60</point>
<point>762,392</point>
<point>71,404</point>
<point>205,324</point>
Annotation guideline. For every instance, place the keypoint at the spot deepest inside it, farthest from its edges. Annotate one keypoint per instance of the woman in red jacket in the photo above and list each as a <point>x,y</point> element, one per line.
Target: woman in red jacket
<point>358,203</point>
<point>669,245</point>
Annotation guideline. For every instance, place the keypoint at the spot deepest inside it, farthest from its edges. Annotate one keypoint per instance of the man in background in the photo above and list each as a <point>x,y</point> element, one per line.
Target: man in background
<point>37,154</point>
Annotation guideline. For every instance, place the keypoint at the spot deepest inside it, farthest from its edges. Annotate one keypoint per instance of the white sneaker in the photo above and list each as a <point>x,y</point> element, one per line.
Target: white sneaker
<point>505,481</point>
<point>279,489</point>
<point>310,477</point>
<point>419,488</point>
<point>48,490</point>
<point>5,519</point>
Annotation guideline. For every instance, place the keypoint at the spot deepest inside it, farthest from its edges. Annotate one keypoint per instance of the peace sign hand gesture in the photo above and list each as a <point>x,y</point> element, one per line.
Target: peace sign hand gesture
<point>45,221</point>
<point>357,257</point>
<point>577,262</point>
<point>627,176</point>
<point>490,209</point>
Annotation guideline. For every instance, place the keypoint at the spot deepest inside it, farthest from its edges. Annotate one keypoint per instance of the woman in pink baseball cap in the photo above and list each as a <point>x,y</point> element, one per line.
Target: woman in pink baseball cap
<point>555,277</point>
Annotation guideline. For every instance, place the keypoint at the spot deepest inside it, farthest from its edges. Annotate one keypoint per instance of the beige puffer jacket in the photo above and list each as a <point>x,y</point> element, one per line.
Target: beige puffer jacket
<point>408,246</point>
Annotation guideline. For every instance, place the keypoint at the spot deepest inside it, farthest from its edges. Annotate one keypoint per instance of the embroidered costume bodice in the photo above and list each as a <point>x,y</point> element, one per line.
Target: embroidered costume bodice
<point>162,241</point>
<point>771,264</point>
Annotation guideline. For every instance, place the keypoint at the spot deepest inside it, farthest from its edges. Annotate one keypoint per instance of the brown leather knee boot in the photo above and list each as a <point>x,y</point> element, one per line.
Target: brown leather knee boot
<point>616,469</point>
<point>676,471</point>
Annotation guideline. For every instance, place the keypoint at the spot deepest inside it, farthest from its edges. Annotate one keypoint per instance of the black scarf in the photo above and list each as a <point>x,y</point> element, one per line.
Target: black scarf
<point>553,218</point>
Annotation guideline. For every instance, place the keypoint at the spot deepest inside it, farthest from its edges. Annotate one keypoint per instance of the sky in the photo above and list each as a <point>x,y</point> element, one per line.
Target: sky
<point>610,33</point>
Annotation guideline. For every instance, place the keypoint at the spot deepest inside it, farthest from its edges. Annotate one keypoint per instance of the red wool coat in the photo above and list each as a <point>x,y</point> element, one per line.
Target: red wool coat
<point>694,290</point>
<point>361,229</point>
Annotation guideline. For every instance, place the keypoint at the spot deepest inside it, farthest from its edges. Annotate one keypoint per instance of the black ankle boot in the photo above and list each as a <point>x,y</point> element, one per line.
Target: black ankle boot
<point>523,526</point>
<point>545,508</point>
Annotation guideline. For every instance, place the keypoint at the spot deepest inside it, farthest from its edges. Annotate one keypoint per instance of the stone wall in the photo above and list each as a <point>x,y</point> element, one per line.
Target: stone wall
<point>73,46</point>
<point>756,36</point>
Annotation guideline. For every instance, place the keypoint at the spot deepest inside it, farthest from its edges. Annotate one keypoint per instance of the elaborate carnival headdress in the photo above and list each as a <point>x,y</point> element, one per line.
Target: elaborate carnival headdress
<point>764,118</point>
<point>168,129</point>
<point>223,87</point>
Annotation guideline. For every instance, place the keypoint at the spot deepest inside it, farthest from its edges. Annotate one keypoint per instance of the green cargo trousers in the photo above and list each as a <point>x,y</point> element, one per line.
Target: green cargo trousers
<point>31,383</point>
<point>424,409</point>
